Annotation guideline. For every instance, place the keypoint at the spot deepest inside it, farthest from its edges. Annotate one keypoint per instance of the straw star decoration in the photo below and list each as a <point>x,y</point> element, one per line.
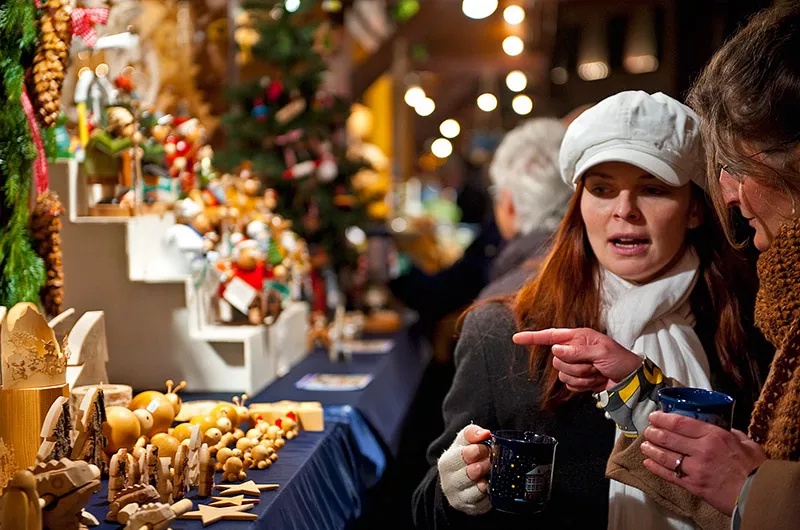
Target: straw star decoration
<point>210,515</point>
<point>239,500</point>
<point>246,488</point>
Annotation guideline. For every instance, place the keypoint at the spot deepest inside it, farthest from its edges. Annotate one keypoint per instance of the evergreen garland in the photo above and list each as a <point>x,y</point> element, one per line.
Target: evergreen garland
<point>22,272</point>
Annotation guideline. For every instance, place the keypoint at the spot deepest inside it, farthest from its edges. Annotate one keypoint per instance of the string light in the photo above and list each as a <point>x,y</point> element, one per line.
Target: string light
<point>516,81</point>
<point>593,71</point>
<point>292,5</point>
<point>522,105</point>
<point>478,9</point>
<point>425,107</point>
<point>414,96</point>
<point>450,128</point>
<point>487,102</point>
<point>559,75</point>
<point>513,46</point>
<point>442,148</point>
<point>514,15</point>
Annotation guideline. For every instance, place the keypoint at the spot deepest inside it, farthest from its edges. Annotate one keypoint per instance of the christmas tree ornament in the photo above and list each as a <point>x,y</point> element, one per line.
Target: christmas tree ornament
<point>46,228</point>
<point>260,111</point>
<point>291,111</point>
<point>50,63</point>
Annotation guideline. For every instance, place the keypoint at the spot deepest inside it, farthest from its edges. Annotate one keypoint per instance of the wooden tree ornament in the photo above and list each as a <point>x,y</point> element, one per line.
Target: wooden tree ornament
<point>56,432</point>
<point>120,473</point>
<point>180,474</point>
<point>90,442</point>
<point>206,481</point>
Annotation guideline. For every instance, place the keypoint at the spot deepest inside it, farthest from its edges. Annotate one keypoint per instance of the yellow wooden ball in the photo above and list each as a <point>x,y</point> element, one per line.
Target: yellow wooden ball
<point>167,445</point>
<point>159,406</point>
<point>228,409</point>
<point>205,422</point>
<point>121,429</point>
<point>183,431</point>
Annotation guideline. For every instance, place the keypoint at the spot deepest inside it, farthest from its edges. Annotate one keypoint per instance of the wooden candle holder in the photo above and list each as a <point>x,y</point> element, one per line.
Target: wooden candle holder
<point>22,413</point>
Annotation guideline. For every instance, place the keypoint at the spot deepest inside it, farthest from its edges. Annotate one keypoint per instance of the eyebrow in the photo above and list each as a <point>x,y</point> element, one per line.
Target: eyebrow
<point>592,173</point>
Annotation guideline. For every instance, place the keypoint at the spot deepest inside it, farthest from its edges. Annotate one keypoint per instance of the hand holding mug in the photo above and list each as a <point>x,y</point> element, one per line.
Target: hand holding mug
<point>477,456</point>
<point>714,462</point>
<point>586,360</point>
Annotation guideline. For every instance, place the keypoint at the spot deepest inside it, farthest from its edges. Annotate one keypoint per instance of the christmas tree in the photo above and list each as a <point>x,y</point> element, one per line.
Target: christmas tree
<point>289,130</point>
<point>22,272</point>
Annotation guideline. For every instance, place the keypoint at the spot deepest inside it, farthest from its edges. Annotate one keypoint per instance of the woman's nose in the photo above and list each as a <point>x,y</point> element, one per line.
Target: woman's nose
<point>730,188</point>
<point>626,207</point>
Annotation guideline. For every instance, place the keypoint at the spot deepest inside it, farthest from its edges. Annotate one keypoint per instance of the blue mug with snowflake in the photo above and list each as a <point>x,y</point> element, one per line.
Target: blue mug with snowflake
<point>522,471</point>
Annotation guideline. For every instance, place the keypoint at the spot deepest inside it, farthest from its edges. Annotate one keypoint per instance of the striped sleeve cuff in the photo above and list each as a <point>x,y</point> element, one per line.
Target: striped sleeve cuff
<point>633,399</point>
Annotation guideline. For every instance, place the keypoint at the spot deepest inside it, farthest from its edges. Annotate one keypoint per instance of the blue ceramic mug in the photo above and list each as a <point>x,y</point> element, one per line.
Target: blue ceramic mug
<point>698,403</point>
<point>522,471</point>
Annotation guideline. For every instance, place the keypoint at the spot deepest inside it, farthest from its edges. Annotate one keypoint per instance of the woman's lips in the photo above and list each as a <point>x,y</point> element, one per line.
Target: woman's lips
<point>628,246</point>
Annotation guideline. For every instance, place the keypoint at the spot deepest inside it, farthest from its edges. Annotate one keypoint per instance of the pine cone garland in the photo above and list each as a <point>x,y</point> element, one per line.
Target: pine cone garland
<point>46,77</point>
<point>46,231</point>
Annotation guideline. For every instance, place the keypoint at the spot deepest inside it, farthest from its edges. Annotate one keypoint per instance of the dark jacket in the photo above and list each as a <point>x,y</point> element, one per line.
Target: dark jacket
<point>435,296</point>
<point>516,264</point>
<point>492,389</point>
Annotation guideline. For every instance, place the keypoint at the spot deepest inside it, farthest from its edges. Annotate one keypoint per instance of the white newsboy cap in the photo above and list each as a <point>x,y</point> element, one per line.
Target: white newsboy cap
<point>653,132</point>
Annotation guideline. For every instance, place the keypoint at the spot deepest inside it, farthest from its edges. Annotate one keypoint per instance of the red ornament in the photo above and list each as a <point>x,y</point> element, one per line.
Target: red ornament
<point>292,416</point>
<point>182,148</point>
<point>278,423</point>
<point>125,83</point>
<point>274,91</point>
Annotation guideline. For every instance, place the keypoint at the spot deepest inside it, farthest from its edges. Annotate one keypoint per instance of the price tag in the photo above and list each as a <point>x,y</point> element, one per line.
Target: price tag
<point>240,294</point>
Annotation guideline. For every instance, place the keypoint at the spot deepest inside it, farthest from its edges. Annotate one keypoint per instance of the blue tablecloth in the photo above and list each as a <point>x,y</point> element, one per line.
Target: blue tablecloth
<point>323,476</point>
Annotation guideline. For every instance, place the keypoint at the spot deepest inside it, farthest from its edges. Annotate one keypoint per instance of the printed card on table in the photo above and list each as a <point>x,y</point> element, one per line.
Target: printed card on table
<point>334,382</point>
<point>376,346</point>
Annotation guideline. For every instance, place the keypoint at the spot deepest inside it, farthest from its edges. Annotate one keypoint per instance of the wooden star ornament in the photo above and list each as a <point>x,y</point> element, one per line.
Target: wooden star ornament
<point>246,488</point>
<point>239,500</point>
<point>210,515</point>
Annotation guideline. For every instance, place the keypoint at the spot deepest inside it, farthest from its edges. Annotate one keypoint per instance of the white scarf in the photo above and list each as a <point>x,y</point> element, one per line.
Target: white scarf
<point>655,320</point>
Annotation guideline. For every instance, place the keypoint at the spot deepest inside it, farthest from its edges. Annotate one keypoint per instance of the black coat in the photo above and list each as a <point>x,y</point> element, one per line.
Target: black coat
<point>492,389</point>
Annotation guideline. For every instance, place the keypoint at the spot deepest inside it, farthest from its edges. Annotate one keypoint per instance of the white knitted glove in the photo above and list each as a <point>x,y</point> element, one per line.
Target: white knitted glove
<point>461,492</point>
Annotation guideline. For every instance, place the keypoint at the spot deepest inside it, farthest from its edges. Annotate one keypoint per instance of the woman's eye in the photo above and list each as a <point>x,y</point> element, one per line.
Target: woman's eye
<point>654,190</point>
<point>599,190</point>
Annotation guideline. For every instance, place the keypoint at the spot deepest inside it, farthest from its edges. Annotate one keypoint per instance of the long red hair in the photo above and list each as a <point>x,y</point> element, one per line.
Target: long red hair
<point>565,294</point>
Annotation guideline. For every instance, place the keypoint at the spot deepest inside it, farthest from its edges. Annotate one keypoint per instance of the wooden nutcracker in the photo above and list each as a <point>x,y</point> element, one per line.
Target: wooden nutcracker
<point>206,485</point>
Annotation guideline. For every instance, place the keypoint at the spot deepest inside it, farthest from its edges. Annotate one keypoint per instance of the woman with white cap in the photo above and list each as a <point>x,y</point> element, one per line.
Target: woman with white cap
<point>637,265</point>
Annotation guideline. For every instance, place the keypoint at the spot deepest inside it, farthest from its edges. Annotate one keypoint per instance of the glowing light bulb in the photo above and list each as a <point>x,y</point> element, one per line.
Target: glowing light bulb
<point>522,105</point>
<point>442,148</point>
<point>478,9</point>
<point>414,96</point>
<point>514,15</point>
<point>425,107</point>
<point>513,46</point>
<point>450,128</point>
<point>516,81</point>
<point>487,102</point>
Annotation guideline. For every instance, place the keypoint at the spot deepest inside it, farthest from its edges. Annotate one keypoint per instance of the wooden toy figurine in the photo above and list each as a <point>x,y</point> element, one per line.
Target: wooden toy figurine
<point>194,457</point>
<point>180,473</point>
<point>19,504</point>
<point>154,516</point>
<point>164,480</point>
<point>120,472</point>
<point>65,487</point>
<point>172,395</point>
<point>233,470</point>
<point>206,483</point>
<point>140,494</point>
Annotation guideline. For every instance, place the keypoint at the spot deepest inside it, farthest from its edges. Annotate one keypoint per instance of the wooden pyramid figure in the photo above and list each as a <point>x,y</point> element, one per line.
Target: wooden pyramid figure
<point>56,429</point>
<point>88,350</point>
<point>31,356</point>
<point>90,442</point>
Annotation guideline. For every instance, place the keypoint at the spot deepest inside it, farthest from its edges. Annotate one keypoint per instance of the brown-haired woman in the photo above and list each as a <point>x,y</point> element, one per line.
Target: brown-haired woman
<point>749,100</point>
<point>637,257</point>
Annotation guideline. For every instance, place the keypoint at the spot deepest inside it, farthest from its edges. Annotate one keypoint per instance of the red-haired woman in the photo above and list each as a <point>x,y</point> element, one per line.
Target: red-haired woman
<point>637,257</point>
<point>749,99</point>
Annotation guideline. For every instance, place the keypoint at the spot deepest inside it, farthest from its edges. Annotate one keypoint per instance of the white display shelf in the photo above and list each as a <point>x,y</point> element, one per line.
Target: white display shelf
<point>130,269</point>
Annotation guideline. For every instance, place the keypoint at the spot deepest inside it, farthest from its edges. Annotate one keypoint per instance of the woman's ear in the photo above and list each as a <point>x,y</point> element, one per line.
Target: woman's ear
<point>695,214</point>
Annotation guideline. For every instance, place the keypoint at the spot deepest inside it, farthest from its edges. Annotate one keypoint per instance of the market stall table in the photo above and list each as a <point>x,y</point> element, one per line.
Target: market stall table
<point>324,476</point>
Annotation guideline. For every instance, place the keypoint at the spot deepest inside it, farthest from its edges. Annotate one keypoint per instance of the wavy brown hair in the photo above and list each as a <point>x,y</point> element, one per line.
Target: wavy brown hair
<point>565,294</point>
<point>748,97</point>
